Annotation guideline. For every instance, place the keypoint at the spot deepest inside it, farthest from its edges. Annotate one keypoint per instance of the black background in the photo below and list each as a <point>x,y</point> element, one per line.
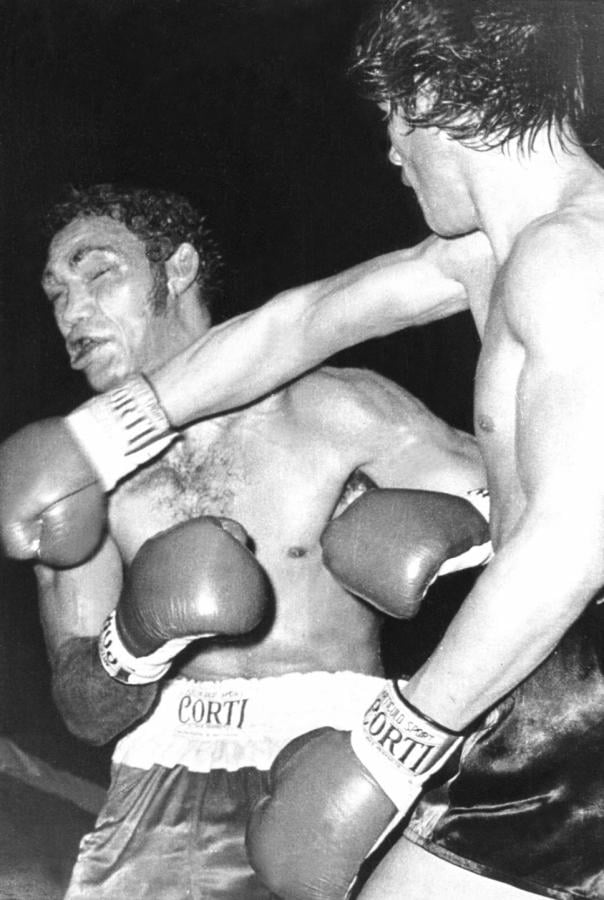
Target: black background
<point>244,106</point>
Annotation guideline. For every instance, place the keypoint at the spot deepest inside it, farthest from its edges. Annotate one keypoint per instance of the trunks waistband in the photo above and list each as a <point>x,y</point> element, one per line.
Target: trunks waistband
<point>240,722</point>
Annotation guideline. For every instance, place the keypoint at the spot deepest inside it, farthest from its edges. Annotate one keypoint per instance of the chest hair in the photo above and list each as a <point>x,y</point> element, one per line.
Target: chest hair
<point>201,475</point>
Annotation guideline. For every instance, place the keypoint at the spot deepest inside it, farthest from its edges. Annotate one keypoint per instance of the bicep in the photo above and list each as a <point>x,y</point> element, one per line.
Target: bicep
<point>75,602</point>
<point>381,296</point>
<point>560,428</point>
<point>559,423</point>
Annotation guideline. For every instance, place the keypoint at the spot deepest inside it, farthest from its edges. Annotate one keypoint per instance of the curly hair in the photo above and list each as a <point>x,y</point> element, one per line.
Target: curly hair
<point>161,219</point>
<point>491,70</point>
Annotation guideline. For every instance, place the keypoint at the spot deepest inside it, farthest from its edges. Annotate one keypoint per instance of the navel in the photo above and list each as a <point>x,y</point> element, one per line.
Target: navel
<point>297,552</point>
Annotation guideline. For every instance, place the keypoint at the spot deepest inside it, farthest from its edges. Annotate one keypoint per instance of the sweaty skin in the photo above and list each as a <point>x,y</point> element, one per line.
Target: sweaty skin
<point>539,428</point>
<point>280,467</point>
<point>528,265</point>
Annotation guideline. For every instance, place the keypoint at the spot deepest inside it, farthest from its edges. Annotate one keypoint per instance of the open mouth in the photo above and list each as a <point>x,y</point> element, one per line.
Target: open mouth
<point>81,349</point>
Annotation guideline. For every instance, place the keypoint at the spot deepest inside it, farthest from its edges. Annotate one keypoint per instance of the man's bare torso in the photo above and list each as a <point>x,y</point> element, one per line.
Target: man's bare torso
<point>282,468</point>
<point>499,302</point>
<point>282,484</point>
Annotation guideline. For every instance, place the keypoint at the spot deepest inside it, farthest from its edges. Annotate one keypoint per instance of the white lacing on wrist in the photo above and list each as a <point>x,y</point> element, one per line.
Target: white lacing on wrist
<point>400,747</point>
<point>121,429</point>
<point>122,665</point>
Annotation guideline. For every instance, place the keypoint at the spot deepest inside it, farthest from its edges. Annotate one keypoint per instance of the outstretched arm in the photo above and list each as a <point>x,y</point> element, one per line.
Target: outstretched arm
<point>252,354</point>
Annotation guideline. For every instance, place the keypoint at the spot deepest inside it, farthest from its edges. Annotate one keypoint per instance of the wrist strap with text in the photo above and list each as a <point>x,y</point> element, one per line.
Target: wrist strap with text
<point>400,747</point>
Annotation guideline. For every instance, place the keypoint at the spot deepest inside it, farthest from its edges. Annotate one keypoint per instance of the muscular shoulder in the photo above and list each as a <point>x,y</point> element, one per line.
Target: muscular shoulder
<point>554,278</point>
<point>379,425</point>
<point>369,409</point>
<point>354,399</point>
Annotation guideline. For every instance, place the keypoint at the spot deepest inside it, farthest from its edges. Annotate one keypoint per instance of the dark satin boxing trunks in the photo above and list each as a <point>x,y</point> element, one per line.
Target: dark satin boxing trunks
<point>527,804</point>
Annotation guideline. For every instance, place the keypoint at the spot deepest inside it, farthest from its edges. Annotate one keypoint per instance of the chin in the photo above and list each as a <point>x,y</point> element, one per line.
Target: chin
<point>105,381</point>
<point>449,229</point>
<point>446,228</point>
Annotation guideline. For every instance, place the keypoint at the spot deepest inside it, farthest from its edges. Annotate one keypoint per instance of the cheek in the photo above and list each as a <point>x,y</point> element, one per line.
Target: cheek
<point>123,308</point>
<point>135,334</point>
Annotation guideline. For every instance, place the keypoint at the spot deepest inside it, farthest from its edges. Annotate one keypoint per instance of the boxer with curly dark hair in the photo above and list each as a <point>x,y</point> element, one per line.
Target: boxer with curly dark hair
<point>204,657</point>
<point>161,219</point>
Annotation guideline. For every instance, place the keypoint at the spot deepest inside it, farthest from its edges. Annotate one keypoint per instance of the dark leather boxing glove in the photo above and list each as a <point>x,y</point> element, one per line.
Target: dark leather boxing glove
<point>334,797</point>
<point>54,473</point>
<point>194,580</point>
<point>389,545</point>
<point>52,506</point>
<point>323,816</point>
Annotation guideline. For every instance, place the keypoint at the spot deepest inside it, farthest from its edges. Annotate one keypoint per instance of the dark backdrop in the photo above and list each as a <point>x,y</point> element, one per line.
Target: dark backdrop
<point>244,106</point>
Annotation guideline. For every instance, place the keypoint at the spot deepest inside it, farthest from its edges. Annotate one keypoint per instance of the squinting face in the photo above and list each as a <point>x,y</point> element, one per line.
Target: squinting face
<point>100,284</point>
<point>432,164</point>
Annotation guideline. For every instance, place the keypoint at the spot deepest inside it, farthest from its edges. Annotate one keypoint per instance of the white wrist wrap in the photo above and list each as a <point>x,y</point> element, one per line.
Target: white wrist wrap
<point>400,747</point>
<point>479,555</point>
<point>123,666</point>
<point>121,429</point>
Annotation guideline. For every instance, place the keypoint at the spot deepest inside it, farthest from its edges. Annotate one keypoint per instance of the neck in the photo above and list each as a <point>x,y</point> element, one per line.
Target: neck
<point>184,322</point>
<point>512,187</point>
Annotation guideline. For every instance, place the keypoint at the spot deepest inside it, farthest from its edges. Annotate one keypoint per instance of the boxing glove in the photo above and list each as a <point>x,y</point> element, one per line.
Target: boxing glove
<point>390,545</point>
<point>334,797</point>
<point>195,580</point>
<point>54,473</point>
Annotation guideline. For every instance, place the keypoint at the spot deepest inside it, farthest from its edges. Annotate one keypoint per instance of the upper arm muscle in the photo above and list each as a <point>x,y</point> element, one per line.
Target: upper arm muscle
<point>557,314</point>
<point>75,602</point>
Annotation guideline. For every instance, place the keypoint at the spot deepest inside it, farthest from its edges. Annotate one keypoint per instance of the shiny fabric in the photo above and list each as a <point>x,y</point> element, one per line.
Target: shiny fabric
<point>39,836</point>
<point>185,779</point>
<point>526,806</point>
<point>171,834</point>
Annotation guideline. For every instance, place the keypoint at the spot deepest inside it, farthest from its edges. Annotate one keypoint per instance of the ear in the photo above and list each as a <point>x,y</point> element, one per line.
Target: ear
<point>182,268</point>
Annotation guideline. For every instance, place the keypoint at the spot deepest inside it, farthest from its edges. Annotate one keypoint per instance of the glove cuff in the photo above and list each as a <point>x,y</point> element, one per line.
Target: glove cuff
<point>118,662</point>
<point>401,747</point>
<point>121,429</point>
<point>479,555</point>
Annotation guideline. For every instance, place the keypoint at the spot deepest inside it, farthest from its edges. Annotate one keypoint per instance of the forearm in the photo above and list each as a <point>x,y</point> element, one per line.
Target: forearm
<point>253,354</point>
<point>234,363</point>
<point>518,611</point>
<point>95,707</point>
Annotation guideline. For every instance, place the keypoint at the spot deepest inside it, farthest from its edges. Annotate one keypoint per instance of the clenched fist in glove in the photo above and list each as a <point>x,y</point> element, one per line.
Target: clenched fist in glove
<point>335,795</point>
<point>195,580</point>
<point>54,473</point>
<point>389,545</point>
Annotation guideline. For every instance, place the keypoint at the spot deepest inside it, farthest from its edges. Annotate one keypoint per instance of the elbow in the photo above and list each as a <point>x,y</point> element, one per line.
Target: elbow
<point>577,560</point>
<point>562,558</point>
<point>86,728</point>
<point>82,720</point>
<point>88,732</point>
<point>292,328</point>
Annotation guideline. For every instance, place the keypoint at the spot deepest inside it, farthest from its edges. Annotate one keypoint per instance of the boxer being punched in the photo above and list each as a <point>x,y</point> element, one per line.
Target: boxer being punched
<point>129,275</point>
<point>486,103</point>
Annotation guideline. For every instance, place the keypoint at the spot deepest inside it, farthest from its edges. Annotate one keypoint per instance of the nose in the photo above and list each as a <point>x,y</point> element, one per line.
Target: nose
<point>74,305</point>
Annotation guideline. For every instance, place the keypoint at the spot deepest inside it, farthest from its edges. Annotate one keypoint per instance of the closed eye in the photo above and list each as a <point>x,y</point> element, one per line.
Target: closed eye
<point>54,297</point>
<point>99,273</point>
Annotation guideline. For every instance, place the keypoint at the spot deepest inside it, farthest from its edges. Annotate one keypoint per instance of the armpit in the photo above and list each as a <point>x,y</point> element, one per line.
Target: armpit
<point>357,484</point>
